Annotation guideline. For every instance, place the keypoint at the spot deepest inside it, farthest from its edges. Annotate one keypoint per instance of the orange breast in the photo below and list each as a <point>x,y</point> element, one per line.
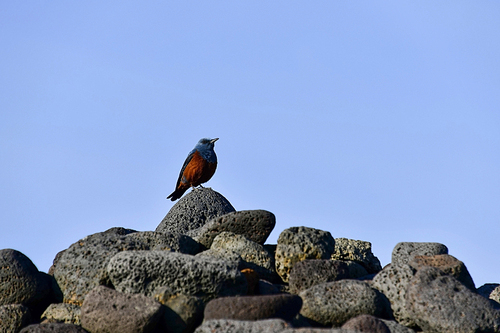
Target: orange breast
<point>198,171</point>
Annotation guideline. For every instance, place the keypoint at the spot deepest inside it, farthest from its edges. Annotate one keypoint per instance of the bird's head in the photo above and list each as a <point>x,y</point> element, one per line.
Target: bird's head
<point>207,143</point>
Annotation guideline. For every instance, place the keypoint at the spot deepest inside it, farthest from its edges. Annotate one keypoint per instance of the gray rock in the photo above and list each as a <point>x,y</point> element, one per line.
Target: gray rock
<point>357,251</point>
<point>82,266</point>
<point>334,303</point>
<point>22,283</point>
<point>403,252</point>
<point>193,210</point>
<point>255,255</point>
<point>13,317</point>
<point>108,310</point>
<point>267,288</point>
<point>223,254</point>
<point>205,277</point>
<point>300,243</point>
<point>62,313</point>
<point>356,271</point>
<point>308,273</point>
<point>440,303</point>
<point>167,241</point>
<point>491,291</point>
<point>53,328</point>
<point>256,225</point>
<point>241,326</point>
<point>280,306</point>
<point>448,264</point>
<point>182,313</point>
<point>366,323</point>
<point>396,327</point>
<point>393,281</point>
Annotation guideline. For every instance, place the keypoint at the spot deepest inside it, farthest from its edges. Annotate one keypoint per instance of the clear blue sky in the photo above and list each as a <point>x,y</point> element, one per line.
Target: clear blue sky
<point>377,121</point>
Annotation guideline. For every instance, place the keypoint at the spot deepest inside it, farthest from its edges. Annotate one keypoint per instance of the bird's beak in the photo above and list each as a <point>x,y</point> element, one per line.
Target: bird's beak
<point>213,140</point>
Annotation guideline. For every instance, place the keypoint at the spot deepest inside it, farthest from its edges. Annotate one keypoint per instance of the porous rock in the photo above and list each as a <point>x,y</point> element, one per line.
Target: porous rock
<point>62,313</point>
<point>356,271</point>
<point>281,306</point>
<point>105,310</point>
<point>403,252</point>
<point>205,277</point>
<point>167,241</point>
<point>20,280</point>
<point>254,255</point>
<point>300,243</point>
<point>334,303</point>
<point>53,328</point>
<point>448,264</point>
<point>396,327</point>
<point>242,326</point>
<point>82,266</point>
<point>195,209</point>
<point>393,281</point>
<point>491,291</point>
<point>366,323</point>
<point>357,251</point>
<point>440,303</point>
<point>308,273</point>
<point>181,313</point>
<point>256,225</point>
<point>13,317</point>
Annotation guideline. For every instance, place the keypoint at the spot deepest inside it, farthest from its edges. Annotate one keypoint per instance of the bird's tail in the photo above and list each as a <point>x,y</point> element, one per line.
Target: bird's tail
<point>177,193</point>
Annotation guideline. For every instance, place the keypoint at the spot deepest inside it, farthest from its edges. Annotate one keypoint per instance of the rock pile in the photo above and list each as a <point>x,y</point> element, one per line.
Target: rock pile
<point>207,268</point>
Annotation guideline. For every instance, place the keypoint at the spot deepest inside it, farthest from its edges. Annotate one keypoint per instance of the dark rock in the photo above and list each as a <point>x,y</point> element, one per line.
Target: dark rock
<point>267,288</point>
<point>82,266</point>
<point>254,255</point>
<point>300,243</point>
<point>13,317</point>
<point>252,280</point>
<point>334,303</point>
<point>21,282</point>
<point>53,328</point>
<point>357,251</point>
<point>241,326</point>
<point>396,327</point>
<point>281,306</point>
<point>193,210</point>
<point>120,231</point>
<point>448,264</point>
<point>62,313</point>
<point>356,271</point>
<point>491,291</point>
<point>205,277</point>
<point>167,241</point>
<point>440,303</point>
<point>182,314</point>
<point>308,273</point>
<point>393,281</point>
<point>108,310</point>
<point>255,225</point>
<point>366,323</point>
<point>403,252</point>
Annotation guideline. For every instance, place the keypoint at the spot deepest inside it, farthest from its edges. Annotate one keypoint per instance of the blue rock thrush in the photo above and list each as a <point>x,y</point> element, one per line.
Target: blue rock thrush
<point>198,168</point>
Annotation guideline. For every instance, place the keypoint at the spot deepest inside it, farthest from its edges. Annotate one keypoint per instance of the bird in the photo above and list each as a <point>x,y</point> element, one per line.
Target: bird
<point>197,169</point>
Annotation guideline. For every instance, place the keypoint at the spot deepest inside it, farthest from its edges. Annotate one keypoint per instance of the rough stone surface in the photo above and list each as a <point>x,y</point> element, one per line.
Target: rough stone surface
<point>356,271</point>
<point>195,209</point>
<point>167,241</point>
<point>255,255</point>
<point>300,243</point>
<point>205,277</point>
<point>334,303</point>
<point>182,314</point>
<point>62,313</point>
<point>280,306</point>
<point>105,309</point>
<point>256,225</point>
<point>491,291</point>
<point>241,326</point>
<point>308,273</point>
<point>403,252</point>
<point>366,323</point>
<point>13,317</point>
<point>53,328</point>
<point>357,251</point>
<point>393,281</point>
<point>396,327</point>
<point>20,280</point>
<point>82,266</point>
<point>440,303</point>
<point>448,264</point>
<point>267,288</point>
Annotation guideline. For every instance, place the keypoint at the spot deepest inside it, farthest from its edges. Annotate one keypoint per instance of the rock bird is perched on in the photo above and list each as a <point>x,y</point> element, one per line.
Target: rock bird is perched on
<point>198,168</point>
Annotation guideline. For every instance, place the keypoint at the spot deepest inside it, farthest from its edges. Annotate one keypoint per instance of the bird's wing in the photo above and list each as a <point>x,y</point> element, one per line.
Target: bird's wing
<point>186,162</point>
